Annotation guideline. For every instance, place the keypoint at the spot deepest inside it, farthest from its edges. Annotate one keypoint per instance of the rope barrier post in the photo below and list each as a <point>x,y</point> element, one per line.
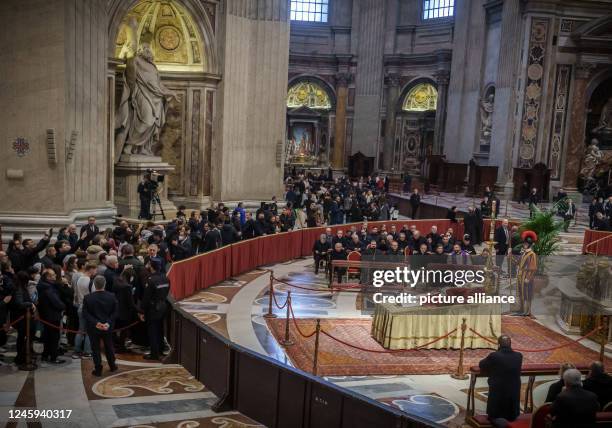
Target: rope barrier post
<point>460,373</point>
<point>316,349</point>
<point>28,365</point>
<point>270,314</point>
<point>602,339</point>
<point>287,341</point>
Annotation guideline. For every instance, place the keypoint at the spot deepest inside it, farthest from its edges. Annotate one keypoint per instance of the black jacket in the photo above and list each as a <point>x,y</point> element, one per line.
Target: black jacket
<point>27,257</point>
<point>50,305</point>
<point>601,386</point>
<point>554,390</point>
<point>574,408</point>
<point>154,304</point>
<point>503,368</point>
<point>248,229</point>
<point>99,306</point>
<point>320,248</point>
<point>502,242</point>
<point>91,232</point>
<point>229,234</point>
<point>126,308</point>
<point>212,240</point>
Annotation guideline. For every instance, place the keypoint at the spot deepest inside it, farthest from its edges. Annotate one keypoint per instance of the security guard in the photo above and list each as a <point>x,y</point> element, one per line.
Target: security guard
<point>155,307</point>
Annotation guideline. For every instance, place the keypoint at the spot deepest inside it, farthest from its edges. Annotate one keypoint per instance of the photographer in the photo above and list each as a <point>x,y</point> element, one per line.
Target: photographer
<point>145,189</point>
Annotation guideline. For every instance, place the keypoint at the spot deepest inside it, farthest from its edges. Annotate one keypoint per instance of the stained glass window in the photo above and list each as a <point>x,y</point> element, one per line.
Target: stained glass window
<point>438,8</point>
<point>309,10</point>
<point>308,94</point>
<point>422,97</point>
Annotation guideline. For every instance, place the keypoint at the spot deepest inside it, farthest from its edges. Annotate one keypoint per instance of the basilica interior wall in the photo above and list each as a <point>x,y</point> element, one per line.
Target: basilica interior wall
<point>54,160</point>
<point>251,110</point>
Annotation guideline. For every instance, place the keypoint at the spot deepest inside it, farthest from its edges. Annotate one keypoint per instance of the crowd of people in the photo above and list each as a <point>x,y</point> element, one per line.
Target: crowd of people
<point>94,285</point>
<point>600,214</point>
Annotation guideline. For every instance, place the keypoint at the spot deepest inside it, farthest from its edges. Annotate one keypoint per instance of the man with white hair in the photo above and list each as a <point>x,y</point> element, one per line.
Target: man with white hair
<point>112,271</point>
<point>574,407</point>
<point>320,250</point>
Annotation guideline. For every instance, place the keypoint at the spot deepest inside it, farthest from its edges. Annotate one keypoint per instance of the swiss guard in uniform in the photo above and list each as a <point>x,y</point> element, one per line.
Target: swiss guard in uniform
<point>527,267</point>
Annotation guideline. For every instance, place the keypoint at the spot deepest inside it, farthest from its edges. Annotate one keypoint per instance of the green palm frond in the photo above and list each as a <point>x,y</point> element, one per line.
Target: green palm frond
<point>544,224</point>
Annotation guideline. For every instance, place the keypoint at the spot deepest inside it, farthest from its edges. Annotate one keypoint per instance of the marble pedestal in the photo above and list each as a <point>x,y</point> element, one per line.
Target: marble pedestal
<point>128,173</point>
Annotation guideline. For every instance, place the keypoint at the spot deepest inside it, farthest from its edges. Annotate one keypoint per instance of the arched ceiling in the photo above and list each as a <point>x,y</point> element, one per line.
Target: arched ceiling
<point>170,29</point>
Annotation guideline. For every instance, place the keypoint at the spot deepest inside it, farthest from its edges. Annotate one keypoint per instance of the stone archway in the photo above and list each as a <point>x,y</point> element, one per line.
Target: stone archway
<point>182,34</point>
<point>310,123</point>
<point>415,119</point>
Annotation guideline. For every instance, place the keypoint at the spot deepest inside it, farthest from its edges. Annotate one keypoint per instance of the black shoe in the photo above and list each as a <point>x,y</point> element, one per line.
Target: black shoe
<point>96,373</point>
<point>113,368</point>
<point>150,357</point>
<point>57,361</point>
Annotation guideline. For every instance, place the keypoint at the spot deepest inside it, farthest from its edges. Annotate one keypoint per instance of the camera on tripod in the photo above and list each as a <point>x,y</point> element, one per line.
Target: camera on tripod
<point>155,177</point>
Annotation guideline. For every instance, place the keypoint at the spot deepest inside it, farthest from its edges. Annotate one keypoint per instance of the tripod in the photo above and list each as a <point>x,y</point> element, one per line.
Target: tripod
<point>156,201</point>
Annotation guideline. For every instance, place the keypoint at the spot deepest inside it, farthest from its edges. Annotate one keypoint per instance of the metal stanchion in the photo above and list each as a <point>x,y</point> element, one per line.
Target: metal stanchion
<point>270,314</point>
<point>460,373</point>
<point>316,350</point>
<point>287,341</point>
<point>28,365</point>
<point>602,339</point>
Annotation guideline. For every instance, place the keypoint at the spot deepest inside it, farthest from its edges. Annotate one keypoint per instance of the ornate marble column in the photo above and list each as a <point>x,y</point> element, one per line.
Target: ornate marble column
<point>575,146</point>
<point>393,83</point>
<point>442,78</point>
<point>342,80</point>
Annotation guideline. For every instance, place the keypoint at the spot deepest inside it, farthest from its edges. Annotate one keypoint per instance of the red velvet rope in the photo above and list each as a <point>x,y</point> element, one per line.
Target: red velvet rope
<point>298,327</point>
<point>276,301</point>
<point>387,351</point>
<point>545,349</point>
<point>332,289</point>
<point>57,327</point>
<point>12,323</point>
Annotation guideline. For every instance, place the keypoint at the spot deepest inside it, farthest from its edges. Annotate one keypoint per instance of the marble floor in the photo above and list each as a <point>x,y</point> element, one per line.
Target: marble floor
<point>139,395</point>
<point>143,394</point>
<point>439,398</point>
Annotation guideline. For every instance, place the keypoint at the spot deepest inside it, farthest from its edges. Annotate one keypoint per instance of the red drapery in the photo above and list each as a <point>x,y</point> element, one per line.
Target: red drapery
<point>598,242</point>
<point>202,271</point>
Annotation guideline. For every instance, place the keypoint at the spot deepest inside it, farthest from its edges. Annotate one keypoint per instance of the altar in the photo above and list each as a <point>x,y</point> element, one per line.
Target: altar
<point>401,327</point>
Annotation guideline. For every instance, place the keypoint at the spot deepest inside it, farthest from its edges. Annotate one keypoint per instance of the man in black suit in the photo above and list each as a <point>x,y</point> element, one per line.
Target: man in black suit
<point>502,237</point>
<point>88,232</point>
<point>415,201</point>
<point>320,251</point>
<point>599,383</point>
<point>503,368</point>
<point>50,308</point>
<point>574,407</point>
<point>100,310</point>
<point>154,308</point>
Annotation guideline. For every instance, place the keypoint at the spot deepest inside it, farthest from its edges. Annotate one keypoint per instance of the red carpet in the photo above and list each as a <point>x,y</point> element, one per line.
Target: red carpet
<point>336,359</point>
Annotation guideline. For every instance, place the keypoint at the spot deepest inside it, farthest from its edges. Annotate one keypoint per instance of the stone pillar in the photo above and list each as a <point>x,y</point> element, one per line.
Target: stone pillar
<point>342,80</point>
<point>575,147</point>
<point>393,83</point>
<point>442,78</point>
<point>54,161</point>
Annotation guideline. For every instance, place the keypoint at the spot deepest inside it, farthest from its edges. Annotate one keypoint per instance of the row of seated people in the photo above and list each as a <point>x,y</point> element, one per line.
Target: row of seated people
<point>409,240</point>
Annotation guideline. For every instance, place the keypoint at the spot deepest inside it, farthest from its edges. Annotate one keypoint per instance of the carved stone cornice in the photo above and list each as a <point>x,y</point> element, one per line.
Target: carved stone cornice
<point>393,79</point>
<point>584,70</point>
<point>343,78</point>
<point>442,77</point>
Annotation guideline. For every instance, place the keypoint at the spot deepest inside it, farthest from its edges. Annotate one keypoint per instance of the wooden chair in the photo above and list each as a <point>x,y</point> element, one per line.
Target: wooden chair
<point>538,419</point>
<point>353,256</point>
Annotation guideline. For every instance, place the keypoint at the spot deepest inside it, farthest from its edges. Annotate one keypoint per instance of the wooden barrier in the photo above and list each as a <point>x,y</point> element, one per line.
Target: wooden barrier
<point>271,393</point>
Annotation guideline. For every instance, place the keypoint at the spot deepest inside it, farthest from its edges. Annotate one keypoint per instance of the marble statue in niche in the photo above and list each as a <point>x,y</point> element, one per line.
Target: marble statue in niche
<point>486,117</point>
<point>604,129</point>
<point>591,159</point>
<point>141,114</point>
